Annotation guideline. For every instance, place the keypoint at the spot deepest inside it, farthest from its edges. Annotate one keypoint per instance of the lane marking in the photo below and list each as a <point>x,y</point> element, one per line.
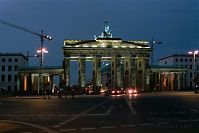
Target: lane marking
<point>180,112</point>
<point>67,130</point>
<point>183,106</point>
<point>170,113</point>
<point>52,115</point>
<point>165,122</point>
<point>194,110</point>
<point>55,115</point>
<point>128,126</point>
<point>186,120</point>
<point>106,127</point>
<point>133,111</point>
<point>166,113</point>
<point>30,124</point>
<point>88,128</point>
<point>80,114</point>
<point>145,124</point>
<point>56,126</point>
<point>195,120</point>
<point>110,109</point>
<point>94,114</point>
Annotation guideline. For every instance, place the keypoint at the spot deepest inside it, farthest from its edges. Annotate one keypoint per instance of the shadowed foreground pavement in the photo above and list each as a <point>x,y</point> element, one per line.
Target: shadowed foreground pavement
<point>141,113</point>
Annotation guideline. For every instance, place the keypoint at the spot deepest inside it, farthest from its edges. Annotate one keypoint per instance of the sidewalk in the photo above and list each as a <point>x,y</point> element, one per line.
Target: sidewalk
<point>51,97</point>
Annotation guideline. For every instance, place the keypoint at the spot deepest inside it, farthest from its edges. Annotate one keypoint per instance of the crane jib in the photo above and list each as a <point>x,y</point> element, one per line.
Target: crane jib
<point>26,30</point>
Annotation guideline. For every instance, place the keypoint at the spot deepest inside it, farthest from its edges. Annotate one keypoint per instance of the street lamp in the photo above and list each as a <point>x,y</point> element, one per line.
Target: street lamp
<point>194,53</point>
<point>41,51</point>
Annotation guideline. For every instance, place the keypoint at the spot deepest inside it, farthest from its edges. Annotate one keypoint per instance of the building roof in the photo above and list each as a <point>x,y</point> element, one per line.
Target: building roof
<point>108,41</point>
<point>37,69</point>
<point>13,54</point>
<point>99,38</point>
<point>177,55</point>
<point>167,68</point>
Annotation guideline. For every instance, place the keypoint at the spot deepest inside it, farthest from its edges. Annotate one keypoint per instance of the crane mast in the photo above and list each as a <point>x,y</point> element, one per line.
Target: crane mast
<point>152,42</point>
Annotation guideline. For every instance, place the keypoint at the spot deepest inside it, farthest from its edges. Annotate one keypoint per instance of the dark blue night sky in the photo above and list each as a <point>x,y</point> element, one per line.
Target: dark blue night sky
<point>174,22</point>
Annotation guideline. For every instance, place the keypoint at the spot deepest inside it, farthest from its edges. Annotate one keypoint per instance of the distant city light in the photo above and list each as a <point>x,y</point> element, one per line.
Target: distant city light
<point>193,52</point>
<point>43,50</point>
<point>49,37</point>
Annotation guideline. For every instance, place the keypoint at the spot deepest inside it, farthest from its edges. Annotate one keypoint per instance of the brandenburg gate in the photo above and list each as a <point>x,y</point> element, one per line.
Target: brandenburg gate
<point>129,61</point>
<point>128,67</point>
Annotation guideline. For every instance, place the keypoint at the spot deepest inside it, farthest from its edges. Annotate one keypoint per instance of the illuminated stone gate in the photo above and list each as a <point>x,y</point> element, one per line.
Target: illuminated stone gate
<point>28,78</point>
<point>168,78</point>
<point>133,55</point>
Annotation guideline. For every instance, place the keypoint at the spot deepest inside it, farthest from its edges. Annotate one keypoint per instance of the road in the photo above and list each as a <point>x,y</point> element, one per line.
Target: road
<point>141,113</point>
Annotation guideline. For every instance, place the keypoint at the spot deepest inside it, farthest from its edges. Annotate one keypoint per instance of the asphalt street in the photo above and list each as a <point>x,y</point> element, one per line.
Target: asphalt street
<point>175,112</point>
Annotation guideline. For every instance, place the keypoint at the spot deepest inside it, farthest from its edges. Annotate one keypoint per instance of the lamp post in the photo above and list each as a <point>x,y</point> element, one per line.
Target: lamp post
<point>41,51</point>
<point>194,53</point>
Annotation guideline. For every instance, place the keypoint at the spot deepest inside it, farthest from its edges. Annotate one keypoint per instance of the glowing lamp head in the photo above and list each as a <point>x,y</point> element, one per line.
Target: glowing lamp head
<point>49,37</point>
<point>190,52</point>
<point>43,50</point>
<point>196,52</point>
<point>193,52</point>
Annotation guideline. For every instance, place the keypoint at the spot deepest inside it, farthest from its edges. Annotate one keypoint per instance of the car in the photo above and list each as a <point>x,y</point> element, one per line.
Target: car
<point>117,92</point>
<point>131,91</point>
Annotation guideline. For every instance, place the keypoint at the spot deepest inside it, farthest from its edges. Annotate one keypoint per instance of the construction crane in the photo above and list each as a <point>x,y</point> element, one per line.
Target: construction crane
<point>152,42</point>
<point>42,50</point>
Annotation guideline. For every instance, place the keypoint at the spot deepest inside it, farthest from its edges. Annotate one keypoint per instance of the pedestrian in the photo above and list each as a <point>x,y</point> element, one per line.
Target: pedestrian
<point>47,90</point>
<point>61,86</point>
<point>65,91</point>
<point>73,92</point>
<point>60,92</point>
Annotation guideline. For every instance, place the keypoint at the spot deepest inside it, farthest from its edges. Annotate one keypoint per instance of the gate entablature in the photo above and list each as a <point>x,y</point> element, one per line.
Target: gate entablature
<point>106,43</point>
<point>105,47</point>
